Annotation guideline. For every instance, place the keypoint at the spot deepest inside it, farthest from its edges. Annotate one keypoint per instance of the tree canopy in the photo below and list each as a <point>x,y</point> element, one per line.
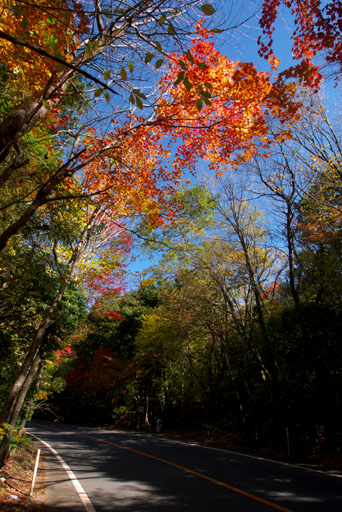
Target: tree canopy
<point>108,112</point>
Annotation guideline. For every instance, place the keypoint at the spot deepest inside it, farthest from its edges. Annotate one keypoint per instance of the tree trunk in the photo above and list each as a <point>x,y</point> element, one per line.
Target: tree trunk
<point>29,405</point>
<point>147,411</point>
<point>40,199</point>
<point>5,415</point>
<point>5,445</point>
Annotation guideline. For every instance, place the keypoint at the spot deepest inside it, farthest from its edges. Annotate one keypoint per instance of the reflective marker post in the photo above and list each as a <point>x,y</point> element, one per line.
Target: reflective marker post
<point>35,472</point>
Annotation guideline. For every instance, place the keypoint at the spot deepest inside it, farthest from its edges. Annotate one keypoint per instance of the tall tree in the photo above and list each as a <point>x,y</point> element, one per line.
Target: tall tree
<point>71,250</point>
<point>194,102</point>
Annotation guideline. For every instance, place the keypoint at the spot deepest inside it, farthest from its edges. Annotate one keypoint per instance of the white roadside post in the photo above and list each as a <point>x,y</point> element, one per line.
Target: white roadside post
<point>35,472</point>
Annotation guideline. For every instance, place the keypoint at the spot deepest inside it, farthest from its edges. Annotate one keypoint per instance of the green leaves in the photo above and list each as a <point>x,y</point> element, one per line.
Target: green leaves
<point>187,83</point>
<point>123,74</point>
<point>136,98</point>
<point>140,94</point>
<point>171,28</point>
<point>24,23</point>
<point>179,78</point>
<point>90,49</point>
<point>183,77</point>
<point>204,97</point>
<point>190,57</point>
<point>149,57</point>
<point>107,13</point>
<point>202,65</point>
<point>159,63</point>
<point>17,10</point>
<point>139,103</point>
<point>208,9</point>
<point>162,19</point>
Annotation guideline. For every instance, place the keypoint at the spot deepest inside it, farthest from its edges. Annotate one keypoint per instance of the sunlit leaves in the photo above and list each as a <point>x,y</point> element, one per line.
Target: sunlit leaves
<point>50,29</point>
<point>90,49</point>
<point>317,29</point>
<point>215,99</point>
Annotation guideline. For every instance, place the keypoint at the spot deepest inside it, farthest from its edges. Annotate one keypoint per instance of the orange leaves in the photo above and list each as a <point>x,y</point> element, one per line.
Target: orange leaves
<point>217,111</point>
<point>50,25</point>
<point>318,28</point>
<point>220,109</point>
<point>128,168</point>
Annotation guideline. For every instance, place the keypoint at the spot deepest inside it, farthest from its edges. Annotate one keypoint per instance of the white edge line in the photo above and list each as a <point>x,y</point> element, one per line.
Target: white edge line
<point>273,461</point>
<point>224,450</point>
<point>231,452</point>
<point>88,506</point>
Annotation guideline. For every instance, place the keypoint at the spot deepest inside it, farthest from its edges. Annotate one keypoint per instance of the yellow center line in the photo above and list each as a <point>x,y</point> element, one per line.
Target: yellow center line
<point>196,473</point>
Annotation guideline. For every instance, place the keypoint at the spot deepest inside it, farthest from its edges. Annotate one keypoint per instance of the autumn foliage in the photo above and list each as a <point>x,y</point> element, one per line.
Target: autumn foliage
<point>52,26</point>
<point>210,108</point>
<point>220,109</point>
<point>317,29</point>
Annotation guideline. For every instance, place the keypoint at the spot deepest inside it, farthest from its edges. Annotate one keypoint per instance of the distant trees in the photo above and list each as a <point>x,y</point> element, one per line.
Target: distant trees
<point>245,329</point>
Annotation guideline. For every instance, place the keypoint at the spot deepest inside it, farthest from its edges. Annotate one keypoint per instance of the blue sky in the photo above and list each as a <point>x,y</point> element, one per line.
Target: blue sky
<point>241,44</point>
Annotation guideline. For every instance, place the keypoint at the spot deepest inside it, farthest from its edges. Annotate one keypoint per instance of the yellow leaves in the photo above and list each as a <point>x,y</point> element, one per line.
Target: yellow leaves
<point>49,26</point>
<point>274,61</point>
<point>41,395</point>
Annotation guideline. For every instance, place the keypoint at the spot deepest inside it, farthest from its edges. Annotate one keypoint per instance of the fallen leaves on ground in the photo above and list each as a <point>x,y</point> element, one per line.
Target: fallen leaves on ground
<point>18,473</point>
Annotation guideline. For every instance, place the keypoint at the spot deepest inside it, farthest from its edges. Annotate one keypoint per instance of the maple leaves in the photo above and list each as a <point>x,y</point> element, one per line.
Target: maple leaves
<point>210,107</point>
<point>220,109</point>
<point>317,29</point>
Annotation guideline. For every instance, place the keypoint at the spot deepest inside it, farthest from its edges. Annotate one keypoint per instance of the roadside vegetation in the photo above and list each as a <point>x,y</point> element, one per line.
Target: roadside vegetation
<point>124,130</point>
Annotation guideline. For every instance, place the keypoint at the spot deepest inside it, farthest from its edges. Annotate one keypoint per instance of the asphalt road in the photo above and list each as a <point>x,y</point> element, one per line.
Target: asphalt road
<point>130,472</point>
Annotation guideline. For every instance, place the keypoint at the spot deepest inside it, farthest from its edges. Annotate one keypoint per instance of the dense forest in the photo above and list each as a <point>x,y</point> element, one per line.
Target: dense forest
<point>125,131</point>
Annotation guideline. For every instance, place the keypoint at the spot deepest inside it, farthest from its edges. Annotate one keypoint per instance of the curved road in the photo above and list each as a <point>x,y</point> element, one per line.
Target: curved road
<point>130,472</point>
